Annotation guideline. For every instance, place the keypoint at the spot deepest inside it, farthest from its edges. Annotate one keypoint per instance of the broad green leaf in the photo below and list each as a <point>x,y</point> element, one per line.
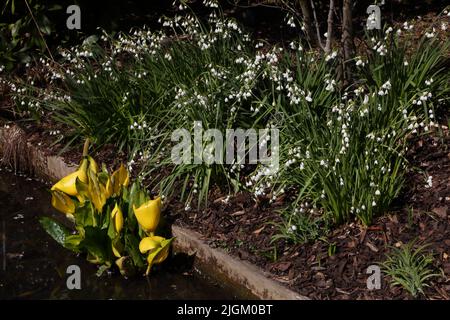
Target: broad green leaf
<point>56,230</point>
<point>97,244</point>
<point>73,241</point>
<point>83,215</point>
<point>132,247</point>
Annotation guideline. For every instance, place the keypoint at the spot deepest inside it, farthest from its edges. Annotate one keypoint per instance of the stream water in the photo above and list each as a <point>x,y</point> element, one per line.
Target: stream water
<point>33,266</point>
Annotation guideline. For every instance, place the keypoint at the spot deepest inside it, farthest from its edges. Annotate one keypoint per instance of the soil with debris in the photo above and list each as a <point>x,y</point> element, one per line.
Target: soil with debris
<point>242,228</point>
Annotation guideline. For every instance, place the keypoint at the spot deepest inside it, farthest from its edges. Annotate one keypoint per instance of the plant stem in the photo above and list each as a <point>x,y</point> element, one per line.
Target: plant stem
<point>86,147</point>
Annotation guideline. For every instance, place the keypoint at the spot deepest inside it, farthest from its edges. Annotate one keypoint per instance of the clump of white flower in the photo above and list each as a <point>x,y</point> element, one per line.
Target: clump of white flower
<point>211,3</point>
<point>360,62</point>
<point>423,98</point>
<point>380,48</point>
<point>429,182</point>
<point>407,26</point>
<point>308,97</point>
<point>292,229</point>
<point>331,56</point>
<point>430,34</point>
<point>331,83</point>
<point>385,88</point>
<point>291,22</point>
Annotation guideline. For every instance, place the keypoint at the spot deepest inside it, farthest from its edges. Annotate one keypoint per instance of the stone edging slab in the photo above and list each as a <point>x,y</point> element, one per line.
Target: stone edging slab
<point>215,263</point>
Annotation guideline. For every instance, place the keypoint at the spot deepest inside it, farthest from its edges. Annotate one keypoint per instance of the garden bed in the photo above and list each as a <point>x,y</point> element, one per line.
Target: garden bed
<point>243,228</point>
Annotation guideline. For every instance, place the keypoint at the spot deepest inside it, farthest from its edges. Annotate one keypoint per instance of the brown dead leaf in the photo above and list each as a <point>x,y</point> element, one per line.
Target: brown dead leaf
<point>282,266</point>
<point>371,246</point>
<point>238,213</point>
<point>258,231</point>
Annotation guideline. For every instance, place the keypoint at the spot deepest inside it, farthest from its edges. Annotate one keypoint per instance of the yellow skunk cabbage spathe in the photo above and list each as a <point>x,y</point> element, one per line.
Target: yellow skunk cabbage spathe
<point>68,183</point>
<point>96,191</point>
<point>92,164</point>
<point>62,202</point>
<point>148,215</point>
<point>157,249</point>
<point>119,178</point>
<point>117,217</point>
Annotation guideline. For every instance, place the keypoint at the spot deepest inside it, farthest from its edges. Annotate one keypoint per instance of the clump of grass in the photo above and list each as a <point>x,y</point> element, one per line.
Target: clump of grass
<point>300,225</point>
<point>409,267</point>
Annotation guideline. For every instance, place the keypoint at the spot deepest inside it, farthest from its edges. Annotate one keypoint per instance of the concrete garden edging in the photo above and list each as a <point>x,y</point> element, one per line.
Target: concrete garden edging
<point>249,280</point>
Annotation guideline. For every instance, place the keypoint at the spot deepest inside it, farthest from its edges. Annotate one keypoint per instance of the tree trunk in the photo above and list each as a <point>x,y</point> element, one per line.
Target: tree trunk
<point>307,19</point>
<point>330,28</point>
<point>348,48</point>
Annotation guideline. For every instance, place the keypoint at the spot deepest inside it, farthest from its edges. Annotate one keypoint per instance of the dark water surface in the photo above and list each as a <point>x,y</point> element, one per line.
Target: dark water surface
<point>33,266</point>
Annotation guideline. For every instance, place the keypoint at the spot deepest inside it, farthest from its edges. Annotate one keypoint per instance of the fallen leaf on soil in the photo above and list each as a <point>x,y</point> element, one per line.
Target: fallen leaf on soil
<point>441,212</point>
<point>282,266</point>
<point>258,231</point>
<point>219,200</point>
<point>371,246</point>
<point>317,268</point>
<point>443,293</point>
<point>324,284</point>
<point>342,291</point>
<point>238,213</point>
